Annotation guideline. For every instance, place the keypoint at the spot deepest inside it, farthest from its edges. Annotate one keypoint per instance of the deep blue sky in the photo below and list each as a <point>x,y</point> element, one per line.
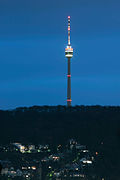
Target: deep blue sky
<point>33,35</point>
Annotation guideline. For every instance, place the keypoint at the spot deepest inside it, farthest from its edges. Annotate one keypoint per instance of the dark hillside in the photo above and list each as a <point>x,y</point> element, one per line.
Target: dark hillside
<point>97,127</point>
<point>91,124</point>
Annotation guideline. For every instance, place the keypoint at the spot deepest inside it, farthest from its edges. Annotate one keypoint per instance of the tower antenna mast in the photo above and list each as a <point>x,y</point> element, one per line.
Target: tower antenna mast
<point>68,30</point>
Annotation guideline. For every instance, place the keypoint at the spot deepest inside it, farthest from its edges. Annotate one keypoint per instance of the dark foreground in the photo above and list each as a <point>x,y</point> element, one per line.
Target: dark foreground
<point>95,126</point>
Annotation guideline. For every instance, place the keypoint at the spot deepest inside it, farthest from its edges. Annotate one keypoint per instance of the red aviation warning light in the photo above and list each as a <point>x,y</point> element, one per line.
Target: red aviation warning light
<point>68,28</point>
<point>68,75</point>
<point>69,100</point>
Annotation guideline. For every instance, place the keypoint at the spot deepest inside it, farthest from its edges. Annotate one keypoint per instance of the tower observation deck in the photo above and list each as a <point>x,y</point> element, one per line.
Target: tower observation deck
<point>69,55</point>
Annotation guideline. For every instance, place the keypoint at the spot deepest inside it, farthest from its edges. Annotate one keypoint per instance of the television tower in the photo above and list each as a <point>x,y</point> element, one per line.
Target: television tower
<point>69,55</point>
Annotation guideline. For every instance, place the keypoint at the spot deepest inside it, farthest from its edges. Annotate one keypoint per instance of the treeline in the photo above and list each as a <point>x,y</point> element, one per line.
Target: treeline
<point>89,124</point>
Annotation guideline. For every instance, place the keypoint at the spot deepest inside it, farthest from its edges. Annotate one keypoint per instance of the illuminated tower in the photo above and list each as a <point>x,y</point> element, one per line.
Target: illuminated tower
<point>69,55</point>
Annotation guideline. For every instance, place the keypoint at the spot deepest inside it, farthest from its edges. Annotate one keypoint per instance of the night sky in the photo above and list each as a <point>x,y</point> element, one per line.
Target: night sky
<point>33,67</point>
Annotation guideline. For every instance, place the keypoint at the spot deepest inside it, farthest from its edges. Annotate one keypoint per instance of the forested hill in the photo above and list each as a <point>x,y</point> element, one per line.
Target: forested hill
<point>97,127</point>
<point>90,124</point>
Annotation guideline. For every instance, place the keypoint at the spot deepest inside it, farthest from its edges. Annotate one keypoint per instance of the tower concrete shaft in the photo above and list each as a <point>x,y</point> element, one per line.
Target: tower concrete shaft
<point>69,84</point>
<point>69,55</point>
